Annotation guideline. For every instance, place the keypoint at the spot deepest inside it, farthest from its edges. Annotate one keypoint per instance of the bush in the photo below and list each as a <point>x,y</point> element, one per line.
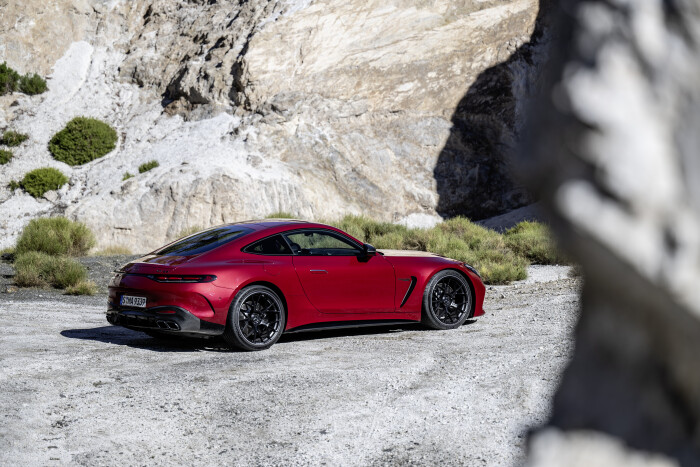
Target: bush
<point>148,166</point>
<point>39,181</point>
<point>55,236</point>
<point>533,241</point>
<point>37,269</point>
<point>8,79</point>
<point>113,250</point>
<point>83,140</point>
<point>280,215</point>
<point>190,231</point>
<point>13,138</point>
<point>32,84</point>
<point>456,238</point>
<point>82,288</point>
<point>126,176</point>
<point>5,156</point>
<point>13,185</point>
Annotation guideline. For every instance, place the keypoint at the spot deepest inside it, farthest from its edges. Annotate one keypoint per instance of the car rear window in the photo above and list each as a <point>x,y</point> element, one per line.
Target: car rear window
<point>275,245</point>
<point>204,241</point>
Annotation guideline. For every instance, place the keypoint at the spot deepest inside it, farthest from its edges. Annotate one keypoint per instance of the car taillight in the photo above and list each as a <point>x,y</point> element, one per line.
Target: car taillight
<point>174,278</point>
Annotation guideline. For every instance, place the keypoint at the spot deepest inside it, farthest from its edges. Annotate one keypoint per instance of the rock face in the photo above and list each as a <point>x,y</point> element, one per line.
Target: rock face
<point>613,154</point>
<point>318,108</point>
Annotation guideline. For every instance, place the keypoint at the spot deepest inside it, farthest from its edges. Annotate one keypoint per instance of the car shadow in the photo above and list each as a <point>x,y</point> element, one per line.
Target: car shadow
<point>123,336</point>
<point>139,340</point>
<point>350,332</point>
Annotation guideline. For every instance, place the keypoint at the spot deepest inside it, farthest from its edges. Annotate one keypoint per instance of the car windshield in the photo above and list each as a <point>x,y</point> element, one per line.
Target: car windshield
<point>204,241</point>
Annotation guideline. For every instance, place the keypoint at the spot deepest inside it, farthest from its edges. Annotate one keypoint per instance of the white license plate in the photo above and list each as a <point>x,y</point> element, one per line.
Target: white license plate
<point>128,300</point>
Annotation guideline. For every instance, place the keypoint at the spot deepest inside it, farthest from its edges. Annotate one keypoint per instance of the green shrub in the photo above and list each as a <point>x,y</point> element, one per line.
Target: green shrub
<point>39,181</point>
<point>13,138</point>
<point>32,84</point>
<point>113,250</point>
<point>8,79</point>
<point>280,215</point>
<point>82,288</point>
<point>5,156</point>
<point>55,236</point>
<point>13,185</point>
<point>83,140</point>
<point>457,238</point>
<point>534,241</point>
<point>189,231</point>
<point>148,166</point>
<point>127,176</point>
<point>37,269</point>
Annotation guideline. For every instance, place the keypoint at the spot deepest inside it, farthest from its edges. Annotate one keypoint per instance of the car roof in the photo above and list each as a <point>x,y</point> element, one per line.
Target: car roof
<point>271,226</point>
<point>264,224</point>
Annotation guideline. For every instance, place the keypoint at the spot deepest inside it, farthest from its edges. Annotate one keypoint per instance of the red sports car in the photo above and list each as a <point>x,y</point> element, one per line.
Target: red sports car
<point>251,281</point>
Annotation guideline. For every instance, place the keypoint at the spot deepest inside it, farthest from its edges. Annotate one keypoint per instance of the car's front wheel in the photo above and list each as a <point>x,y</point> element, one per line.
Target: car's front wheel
<point>447,300</point>
<point>256,319</point>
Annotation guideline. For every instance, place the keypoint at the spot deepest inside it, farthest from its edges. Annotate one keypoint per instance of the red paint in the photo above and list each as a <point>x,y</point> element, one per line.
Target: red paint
<point>315,288</point>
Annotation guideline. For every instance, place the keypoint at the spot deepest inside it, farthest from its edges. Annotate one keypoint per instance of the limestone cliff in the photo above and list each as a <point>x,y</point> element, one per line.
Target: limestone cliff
<point>318,108</point>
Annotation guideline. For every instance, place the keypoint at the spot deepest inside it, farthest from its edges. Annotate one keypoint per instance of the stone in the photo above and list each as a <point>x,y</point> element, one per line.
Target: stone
<point>399,110</point>
<point>612,153</point>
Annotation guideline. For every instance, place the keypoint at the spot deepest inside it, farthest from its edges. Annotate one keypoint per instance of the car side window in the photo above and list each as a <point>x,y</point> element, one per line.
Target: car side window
<point>275,245</point>
<point>321,243</point>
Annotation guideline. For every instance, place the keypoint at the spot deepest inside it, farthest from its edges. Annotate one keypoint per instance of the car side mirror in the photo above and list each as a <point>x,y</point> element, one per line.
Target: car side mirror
<point>367,252</point>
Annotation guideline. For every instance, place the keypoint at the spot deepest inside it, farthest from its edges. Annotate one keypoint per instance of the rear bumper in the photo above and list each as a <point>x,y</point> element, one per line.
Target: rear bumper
<point>168,319</point>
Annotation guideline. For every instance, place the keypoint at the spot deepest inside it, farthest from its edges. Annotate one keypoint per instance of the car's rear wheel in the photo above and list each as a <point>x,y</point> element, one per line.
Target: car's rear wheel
<point>447,300</point>
<point>256,319</point>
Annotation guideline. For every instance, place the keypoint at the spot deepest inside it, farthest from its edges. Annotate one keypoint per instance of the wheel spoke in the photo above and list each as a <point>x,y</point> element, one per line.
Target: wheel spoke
<point>450,300</point>
<point>259,318</point>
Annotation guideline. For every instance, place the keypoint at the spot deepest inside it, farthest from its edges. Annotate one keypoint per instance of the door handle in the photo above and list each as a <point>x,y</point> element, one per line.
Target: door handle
<point>318,271</point>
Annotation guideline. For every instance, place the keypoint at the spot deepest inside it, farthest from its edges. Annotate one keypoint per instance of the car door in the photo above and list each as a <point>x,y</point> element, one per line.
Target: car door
<point>337,278</point>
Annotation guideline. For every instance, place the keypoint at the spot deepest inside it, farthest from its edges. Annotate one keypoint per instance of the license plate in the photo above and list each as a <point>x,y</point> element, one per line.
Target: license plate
<point>128,300</point>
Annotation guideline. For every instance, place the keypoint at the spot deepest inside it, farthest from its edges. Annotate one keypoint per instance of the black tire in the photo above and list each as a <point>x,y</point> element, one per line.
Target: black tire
<point>256,319</point>
<point>447,300</point>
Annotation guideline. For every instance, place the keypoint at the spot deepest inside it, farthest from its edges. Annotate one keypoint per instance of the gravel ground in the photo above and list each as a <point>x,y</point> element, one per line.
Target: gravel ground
<point>76,390</point>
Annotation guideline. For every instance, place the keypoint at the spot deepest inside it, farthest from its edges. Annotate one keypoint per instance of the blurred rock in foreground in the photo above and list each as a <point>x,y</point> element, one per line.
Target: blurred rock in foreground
<point>614,155</point>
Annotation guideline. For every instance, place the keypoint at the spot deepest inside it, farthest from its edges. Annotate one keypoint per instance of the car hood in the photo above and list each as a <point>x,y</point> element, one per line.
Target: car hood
<point>409,253</point>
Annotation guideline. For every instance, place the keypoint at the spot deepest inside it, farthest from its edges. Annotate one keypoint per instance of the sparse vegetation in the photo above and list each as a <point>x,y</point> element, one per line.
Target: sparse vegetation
<point>280,215</point>
<point>83,140</point>
<point>533,241</point>
<point>55,236</point>
<point>13,138</point>
<point>8,79</point>
<point>498,259</point>
<point>127,176</point>
<point>37,269</point>
<point>5,156</point>
<point>82,288</point>
<point>148,166</point>
<point>113,250</point>
<point>32,84</point>
<point>189,231</point>
<point>39,181</point>
<point>13,185</point>
<point>41,257</point>
<point>11,81</point>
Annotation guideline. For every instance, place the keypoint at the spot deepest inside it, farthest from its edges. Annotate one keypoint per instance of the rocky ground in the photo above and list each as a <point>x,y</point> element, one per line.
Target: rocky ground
<point>76,390</point>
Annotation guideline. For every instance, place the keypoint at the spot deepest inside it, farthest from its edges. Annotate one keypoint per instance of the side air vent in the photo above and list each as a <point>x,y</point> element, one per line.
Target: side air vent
<point>411,286</point>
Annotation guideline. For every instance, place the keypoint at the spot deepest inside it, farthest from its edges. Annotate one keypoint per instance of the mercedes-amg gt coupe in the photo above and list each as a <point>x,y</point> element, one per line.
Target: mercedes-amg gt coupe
<point>249,282</point>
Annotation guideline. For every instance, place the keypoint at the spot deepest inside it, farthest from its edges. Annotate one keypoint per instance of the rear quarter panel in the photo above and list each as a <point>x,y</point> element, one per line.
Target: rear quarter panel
<point>276,271</point>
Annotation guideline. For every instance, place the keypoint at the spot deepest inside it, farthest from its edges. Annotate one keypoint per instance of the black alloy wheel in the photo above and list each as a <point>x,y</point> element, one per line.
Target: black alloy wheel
<point>256,319</point>
<point>447,300</point>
